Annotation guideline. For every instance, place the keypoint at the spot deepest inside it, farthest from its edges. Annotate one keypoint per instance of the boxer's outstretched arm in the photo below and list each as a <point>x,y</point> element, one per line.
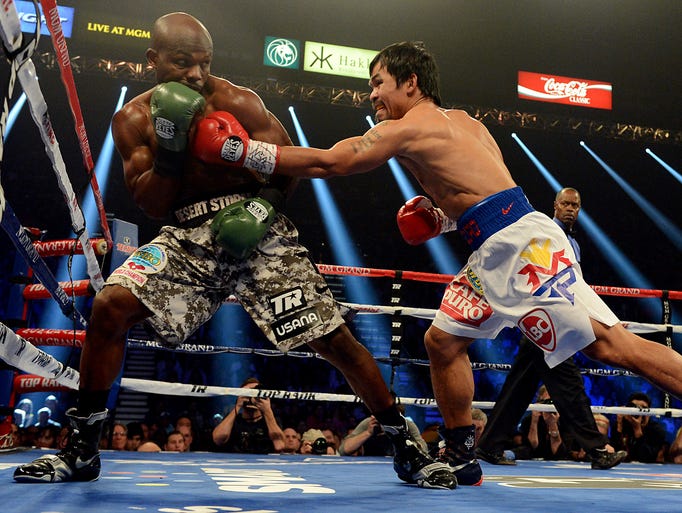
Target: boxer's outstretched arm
<point>223,139</point>
<point>350,156</point>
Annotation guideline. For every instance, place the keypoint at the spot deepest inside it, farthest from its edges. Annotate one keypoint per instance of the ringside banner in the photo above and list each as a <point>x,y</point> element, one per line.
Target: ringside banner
<point>28,18</point>
<point>344,61</point>
<point>578,92</point>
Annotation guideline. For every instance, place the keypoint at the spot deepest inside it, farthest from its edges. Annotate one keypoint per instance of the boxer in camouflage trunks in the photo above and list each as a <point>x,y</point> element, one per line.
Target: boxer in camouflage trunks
<point>227,239</point>
<point>183,276</point>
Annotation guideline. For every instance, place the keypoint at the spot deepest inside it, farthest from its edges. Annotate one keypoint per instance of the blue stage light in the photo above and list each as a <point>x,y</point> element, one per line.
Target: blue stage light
<point>663,163</point>
<point>665,225</point>
<point>52,316</point>
<point>618,261</point>
<point>357,289</point>
<point>445,260</point>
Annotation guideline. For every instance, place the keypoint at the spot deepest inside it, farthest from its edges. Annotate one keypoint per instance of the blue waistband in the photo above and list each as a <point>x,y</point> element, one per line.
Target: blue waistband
<point>490,215</point>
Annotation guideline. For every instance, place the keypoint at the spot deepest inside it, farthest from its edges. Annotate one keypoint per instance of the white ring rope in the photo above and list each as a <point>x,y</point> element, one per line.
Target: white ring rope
<point>20,353</point>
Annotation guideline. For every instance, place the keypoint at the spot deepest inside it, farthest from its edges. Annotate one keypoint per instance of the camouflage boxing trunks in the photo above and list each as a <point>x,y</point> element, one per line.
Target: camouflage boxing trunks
<point>183,276</point>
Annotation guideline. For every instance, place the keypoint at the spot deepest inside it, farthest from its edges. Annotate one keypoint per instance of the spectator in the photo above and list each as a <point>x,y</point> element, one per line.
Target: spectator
<point>250,426</point>
<point>47,437</point>
<point>19,416</point>
<point>44,418</point>
<point>370,437</point>
<point>63,437</point>
<point>333,439</point>
<point>134,436</point>
<point>542,437</point>
<point>196,416</point>
<point>145,431</point>
<point>480,420</point>
<point>188,434</point>
<point>29,436</point>
<point>643,439</point>
<point>431,437</point>
<point>119,437</point>
<point>149,446</point>
<point>165,423</point>
<point>186,425</point>
<point>183,420</point>
<point>175,442</point>
<point>27,406</point>
<point>603,423</point>
<point>292,441</point>
<point>314,442</point>
<point>52,403</point>
<point>603,426</point>
<point>15,433</point>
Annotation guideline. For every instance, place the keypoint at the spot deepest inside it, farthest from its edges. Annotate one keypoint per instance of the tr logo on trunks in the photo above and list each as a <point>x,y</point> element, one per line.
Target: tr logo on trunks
<point>297,323</point>
<point>464,304</point>
<point>287,301</point>
<point>538,327</point>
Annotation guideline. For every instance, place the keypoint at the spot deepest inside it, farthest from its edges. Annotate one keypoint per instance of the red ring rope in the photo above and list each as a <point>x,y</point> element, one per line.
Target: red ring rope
<point>604,290</point>
<point>63,247</point>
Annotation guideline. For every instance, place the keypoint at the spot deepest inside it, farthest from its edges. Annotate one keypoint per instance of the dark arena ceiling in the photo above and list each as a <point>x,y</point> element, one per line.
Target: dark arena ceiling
<point>480,47</point>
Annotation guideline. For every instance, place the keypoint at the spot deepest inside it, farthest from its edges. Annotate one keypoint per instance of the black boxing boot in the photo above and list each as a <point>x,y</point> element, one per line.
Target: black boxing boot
<point>415,466</point>
<point>459,454</point>
<point>78,461</point>
<point>603,460</point>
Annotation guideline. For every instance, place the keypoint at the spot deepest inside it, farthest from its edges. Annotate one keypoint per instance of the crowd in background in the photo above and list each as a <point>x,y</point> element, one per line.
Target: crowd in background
<point>332,428</point>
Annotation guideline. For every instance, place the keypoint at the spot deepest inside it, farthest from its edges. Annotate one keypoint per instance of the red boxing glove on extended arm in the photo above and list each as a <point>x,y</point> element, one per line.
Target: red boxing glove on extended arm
<point>220,139</point>
<point>419,221</point>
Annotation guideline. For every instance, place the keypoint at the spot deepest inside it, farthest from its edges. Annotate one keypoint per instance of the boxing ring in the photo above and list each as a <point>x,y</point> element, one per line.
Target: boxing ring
<point>213,483</point>
<point>204,482</point>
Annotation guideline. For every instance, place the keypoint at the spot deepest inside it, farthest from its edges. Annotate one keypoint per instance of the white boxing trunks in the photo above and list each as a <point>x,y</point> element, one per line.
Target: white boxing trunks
<point>520,274</point>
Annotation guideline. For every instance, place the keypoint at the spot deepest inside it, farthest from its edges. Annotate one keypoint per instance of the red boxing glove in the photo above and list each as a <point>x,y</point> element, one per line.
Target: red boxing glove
<point>220,139</point>
<point>419,221</point>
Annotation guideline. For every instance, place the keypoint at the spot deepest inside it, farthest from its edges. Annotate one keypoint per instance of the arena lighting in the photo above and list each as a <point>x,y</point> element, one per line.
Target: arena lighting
<point>665,165</point>
<point>616,258</point>
<point>665,225</point>
<point>52,315</point>
<point>14,113</point>
<point>445,260</point>
<point>357,290</point>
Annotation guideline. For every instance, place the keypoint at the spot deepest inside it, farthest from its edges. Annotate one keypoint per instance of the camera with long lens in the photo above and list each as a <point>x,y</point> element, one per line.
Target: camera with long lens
<point>633,405</point>
<point>319,446</point>
<point>251,401</point>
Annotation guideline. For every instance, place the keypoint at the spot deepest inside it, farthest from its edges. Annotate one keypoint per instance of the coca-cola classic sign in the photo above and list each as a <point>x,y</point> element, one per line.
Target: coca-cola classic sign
<point>578,92</point>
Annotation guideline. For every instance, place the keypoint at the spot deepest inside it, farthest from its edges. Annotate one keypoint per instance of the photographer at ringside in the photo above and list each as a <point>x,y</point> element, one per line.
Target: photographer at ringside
<point>644,439</point>
<point>369,439</point>
<point>314,442</point>
<point>250,426</point>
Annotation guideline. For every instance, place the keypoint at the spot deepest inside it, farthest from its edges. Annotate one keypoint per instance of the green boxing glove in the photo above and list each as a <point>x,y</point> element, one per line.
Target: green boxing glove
<point>240,227</point>
<point>173,107</point>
